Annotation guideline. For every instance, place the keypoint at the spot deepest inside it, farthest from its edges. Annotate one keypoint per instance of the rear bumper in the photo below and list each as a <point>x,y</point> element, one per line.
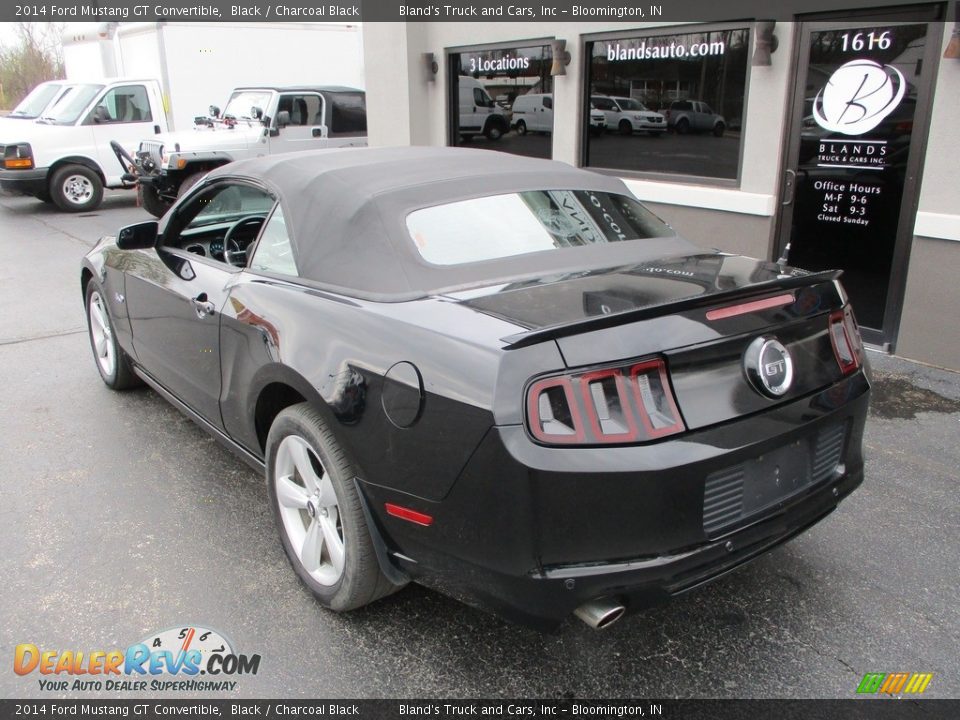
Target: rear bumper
<point>532,533</point>
<point>24,182</point>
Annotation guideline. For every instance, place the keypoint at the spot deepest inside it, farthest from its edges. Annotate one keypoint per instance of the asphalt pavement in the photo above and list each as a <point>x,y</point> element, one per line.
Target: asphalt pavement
<point>120,518</point>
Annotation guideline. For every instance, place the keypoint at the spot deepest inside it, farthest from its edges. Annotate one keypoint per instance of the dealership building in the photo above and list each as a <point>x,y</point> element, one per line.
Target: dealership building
<point>830,139</point>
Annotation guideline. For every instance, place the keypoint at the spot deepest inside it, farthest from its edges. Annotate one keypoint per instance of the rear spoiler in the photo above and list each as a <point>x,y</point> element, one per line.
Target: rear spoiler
<point>552,332</point>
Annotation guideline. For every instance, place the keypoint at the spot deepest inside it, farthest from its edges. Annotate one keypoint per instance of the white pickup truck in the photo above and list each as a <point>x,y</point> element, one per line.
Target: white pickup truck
<point>255,121</point>
<point>65,156</point>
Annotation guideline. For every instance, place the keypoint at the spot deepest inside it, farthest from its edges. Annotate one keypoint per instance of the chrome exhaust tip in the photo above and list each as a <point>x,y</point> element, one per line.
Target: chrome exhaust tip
<point>600,613</point>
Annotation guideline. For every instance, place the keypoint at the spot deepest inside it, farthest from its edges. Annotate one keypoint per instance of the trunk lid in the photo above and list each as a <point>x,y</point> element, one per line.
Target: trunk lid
<point>700,312</point>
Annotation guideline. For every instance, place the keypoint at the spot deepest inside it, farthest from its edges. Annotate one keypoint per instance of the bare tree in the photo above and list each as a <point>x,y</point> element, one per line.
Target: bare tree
<point>36,56</point>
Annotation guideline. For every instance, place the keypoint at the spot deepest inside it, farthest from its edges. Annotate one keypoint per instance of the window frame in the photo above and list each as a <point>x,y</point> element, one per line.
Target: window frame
<point>653,32</point>
<point>299,94</point>
<point>453,90</point>
<point>101,98</point>
<point>196,191</point>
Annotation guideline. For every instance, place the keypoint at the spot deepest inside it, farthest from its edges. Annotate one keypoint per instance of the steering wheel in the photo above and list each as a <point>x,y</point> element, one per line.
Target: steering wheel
<point>233,252</point>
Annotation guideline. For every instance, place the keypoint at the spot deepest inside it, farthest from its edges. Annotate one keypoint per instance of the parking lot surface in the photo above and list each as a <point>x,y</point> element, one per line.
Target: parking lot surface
<point>121,518</point>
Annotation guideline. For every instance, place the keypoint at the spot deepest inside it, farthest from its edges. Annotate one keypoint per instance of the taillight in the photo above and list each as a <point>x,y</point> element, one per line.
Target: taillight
<point>625,404</point>
<point>845,338</point>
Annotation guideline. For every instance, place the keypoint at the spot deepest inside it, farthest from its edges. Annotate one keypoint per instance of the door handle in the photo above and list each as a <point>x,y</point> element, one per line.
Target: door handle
<point>202,306</point>
<point>789,186</point>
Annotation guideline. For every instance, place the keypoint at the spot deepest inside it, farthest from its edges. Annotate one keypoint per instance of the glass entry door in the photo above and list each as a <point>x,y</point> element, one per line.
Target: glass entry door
<point>851,180</point>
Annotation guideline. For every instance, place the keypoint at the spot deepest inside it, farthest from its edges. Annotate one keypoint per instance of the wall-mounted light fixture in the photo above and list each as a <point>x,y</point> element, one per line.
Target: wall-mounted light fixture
<point>430,67</point>
<point>765,44</point>
<point>561,58</point>
<point>953,48</point>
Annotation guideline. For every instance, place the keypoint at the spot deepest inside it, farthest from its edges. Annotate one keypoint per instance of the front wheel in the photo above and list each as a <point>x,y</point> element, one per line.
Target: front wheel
<point>494,132</point>
<point>189,181</point>
<point>319,512</point>
<point>76,188</point>
<point>718,129</point>
<point>521,128</point>
<point>112,362</point>
<point>625,127</point>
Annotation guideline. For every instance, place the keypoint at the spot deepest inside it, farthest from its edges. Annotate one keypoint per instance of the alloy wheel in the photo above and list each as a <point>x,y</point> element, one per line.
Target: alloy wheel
<point>309,510</point>
<point>102,335</point>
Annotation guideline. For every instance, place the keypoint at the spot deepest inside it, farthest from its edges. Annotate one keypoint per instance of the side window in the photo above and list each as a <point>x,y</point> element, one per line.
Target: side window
<point>604,104</point>
<point>304,109</point>
<point>548,102</point>
<point>220,222</point>
<point>479,98</point>
<point>127,104</point>
<point>274,252</point>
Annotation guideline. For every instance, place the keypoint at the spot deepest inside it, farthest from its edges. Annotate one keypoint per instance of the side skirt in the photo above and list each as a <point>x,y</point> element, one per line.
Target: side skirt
<point>248,457</point>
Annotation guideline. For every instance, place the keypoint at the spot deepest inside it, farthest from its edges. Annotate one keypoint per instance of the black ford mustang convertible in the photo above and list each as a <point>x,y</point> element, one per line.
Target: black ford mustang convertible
<point>498,376</point>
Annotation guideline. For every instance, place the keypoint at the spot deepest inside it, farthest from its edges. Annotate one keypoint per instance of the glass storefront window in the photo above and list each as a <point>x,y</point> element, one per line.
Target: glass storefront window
<point>672,104</point>
<point>502,99</point>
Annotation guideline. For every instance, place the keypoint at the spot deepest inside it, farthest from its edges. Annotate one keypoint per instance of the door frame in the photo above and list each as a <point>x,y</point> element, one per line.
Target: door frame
<point>885,338</point>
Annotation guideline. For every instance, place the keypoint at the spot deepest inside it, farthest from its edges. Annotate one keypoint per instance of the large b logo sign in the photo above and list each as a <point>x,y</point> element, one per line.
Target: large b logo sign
<point>858,96</point>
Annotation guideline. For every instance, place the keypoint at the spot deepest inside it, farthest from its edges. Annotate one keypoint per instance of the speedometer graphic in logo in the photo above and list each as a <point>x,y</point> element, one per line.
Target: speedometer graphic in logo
<point>858,96</point>
<point>181,640</point>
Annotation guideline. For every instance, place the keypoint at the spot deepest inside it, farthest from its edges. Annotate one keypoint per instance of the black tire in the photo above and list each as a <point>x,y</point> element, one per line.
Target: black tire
<point>494,131</point>
<point>361,581</point>
<point>625,127</point>
<point>151,201</point>
<point>683,126</point>
<point>121,376</point>
<point>76,188</point>
<point>718,129</point>
<point>189,181</point>
<point>521,128</point>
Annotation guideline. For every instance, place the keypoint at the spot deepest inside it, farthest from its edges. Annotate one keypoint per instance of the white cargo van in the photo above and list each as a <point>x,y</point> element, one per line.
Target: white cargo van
<point>533,112</point>
<point>43,97</point>
<point>479,114</point>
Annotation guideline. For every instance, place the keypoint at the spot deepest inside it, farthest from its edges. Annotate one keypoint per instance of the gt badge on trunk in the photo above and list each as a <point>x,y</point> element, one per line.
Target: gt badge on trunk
<point>768,366</point>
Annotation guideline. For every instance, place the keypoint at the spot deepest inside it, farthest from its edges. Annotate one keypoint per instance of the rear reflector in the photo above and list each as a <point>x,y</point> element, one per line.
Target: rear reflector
<point>407,514</point>
<point>754,306</point>
<point>625,404</point>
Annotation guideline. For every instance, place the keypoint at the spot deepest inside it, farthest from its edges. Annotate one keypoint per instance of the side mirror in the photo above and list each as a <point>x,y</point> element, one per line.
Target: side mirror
<point>256,112</point>
<point>214,111</point>
<point>283,118</point>
<point>140,236</point>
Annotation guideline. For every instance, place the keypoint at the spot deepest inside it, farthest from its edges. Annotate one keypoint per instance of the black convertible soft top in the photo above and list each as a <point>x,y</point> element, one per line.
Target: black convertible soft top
<point>346,211</point>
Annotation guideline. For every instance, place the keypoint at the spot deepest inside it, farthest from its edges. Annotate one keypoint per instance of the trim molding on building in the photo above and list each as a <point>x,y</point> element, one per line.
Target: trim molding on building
<point>709,198</point>
<point>937,225</point>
